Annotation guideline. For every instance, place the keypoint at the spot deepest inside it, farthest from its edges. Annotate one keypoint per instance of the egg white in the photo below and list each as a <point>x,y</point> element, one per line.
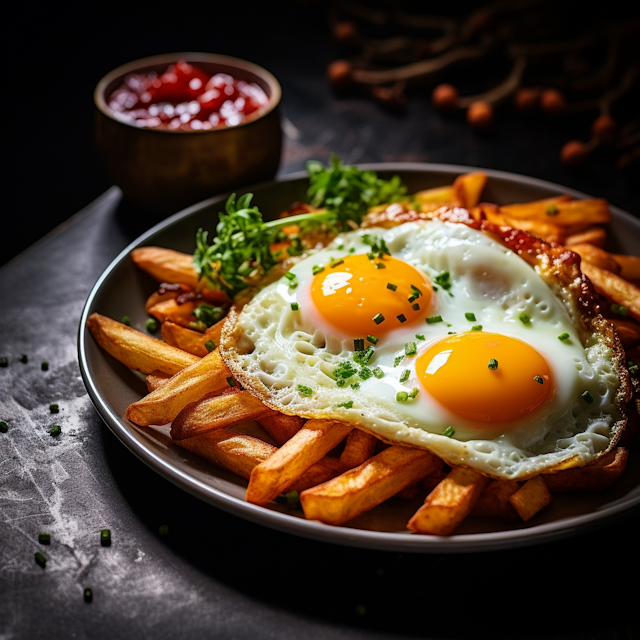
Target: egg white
<point>273,349</point>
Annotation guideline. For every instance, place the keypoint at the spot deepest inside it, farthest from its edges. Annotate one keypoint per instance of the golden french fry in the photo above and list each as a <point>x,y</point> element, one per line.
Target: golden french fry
<point>186,339</point>
<point>615,288</point>
<point>629,267</point>
<point>628,332</point>
<point>157,297</point>
<point>171,311</point>
<point>166,265</point>
<point>543,229</point>
<point>216,411</point>
<point>360,446</point>
<point>563,214</point>
<point>494,500</point>
<point>362,488</point>
<point>315,439</point>
<point>468,188</point>
<point>280,426</point>
<point>594,477</point>
<point>431,199</point>
<point>449,503</point>
<point>214,331</point>
<point>597,256</point>
<point>532,496</point>
<point>325,469</point>
<point>161,406</point>
<point>155,380</point>
<point>596,236</point>
<point>135,349</point>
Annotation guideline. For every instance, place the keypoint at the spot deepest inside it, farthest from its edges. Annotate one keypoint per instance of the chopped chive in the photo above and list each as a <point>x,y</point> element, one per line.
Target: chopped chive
<point>476,327</point>
<point>88,594</point>
<point>413,393</point>
<point>364,357</point>
<point>151,325</point>
<point>410,349</point>
<point>371,255</point>
<point>304,390</point>
<point>4,427</point>
<point>415,291</point>
<point>402,317</point>
<point>434,319</point>
<point>126,320</point>
<point>552,210</point>
<point>633,368</point>
<point>378,318</point>
<point>525,319</point>
<point>24,359</point>
<point>443,279</point>
<point>54,408</point>
<point>163,529</point>
<point>210,345</point>
<point>341,383</point>
<point>55,430</point>
<point>372,339</point>
<point>355,386</point>
<point>341,247</point>
<point>471,317</point>
<point>614,307</point>
<point>391,286</point>
<point>415,307</point>
<point>405,375</point>
<point>295,306</point>
<point>402,396</point>
<point>381,265</point>
<point>231,381</point>
<point>587,397</point>
<point>352,250</point>
<point>346,405</point>
<point>337,263</point>
<point>420,336</point>
<point>412,298</point>
<point>539,379</point>
<point>379,373</point>
<point>623,311</point>
<point>4,362</point>
<point>44,366</point>
<point>44,538</point>
<point>40,559</point>
<point>105,537</point>
<point>398,360</point>
<point>434,288</point>
<point>290,276</point>
<point>493,364</point>
<point>365,373</point>
<point>448,432</point>
<point>281,499</point>
<point>563,337</point>
<point>358,344</point>
<point>316,269</point>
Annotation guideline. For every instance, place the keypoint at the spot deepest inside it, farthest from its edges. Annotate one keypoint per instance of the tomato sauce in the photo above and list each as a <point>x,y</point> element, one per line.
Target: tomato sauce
<point>185,98</point>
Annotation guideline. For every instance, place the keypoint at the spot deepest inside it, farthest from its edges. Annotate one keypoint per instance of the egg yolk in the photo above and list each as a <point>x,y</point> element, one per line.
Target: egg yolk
<point>485,377</point>
<point>359,298</point>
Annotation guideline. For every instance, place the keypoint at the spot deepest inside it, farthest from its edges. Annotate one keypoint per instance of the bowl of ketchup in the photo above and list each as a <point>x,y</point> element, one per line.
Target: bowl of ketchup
<point>175,129</point>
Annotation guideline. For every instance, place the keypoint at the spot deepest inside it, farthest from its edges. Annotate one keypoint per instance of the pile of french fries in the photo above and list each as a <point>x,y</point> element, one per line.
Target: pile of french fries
<point>333,470</point>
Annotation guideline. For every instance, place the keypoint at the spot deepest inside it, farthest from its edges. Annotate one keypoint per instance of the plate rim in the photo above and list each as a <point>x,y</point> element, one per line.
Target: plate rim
<point>361,538</point>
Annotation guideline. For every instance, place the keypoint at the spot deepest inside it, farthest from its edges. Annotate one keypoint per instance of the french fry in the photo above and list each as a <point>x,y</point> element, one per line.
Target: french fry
<point>596,256</point>
<point>214,331</point>
<point>363,487</point>
<point>468,188</point>
<point>494,500</point>
<point>449,503</point>
<point>629,267</point>
<point>161,406</point>
<point>615,288</point>
<point>596,236</point>
<point>325,469</point>
<point>563,214</point>
<point>531,497</point>
<point>360,446</point>
<point>166,265</point>
<point>628,332</point>
<point>431,199</point>
<point>186,339</point>
<point>281,427</point>
<point>155,380</point>
<point>315,439</point>
<point>171,311</point>
<point>216,411</point>
<point>135,349</point>
<point>544,229</point>
<point>598,476</point>
<point>157,297</point>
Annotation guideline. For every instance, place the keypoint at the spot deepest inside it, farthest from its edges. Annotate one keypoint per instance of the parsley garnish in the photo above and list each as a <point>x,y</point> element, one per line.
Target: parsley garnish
<point>304,390</point>
<point>344,371</point>
<point>208,315</point>
<point>471,317</point>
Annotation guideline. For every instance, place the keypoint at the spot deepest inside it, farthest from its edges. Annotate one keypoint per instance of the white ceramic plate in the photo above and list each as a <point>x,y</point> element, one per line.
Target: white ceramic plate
<point>122,290</point>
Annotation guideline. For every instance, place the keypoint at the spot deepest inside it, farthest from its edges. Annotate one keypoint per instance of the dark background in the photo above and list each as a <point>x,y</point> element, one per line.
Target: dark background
<point>54,170</point>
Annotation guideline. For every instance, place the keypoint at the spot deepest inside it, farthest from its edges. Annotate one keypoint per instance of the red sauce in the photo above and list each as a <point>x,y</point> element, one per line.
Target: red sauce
<point>185,98</point>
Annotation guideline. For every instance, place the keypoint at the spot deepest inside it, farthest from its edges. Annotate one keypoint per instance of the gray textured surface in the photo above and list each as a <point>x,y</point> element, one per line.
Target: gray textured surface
<point>216,575</point>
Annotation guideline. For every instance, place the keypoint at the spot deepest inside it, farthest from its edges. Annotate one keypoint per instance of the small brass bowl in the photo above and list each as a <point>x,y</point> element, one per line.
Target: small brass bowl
<point>165,170</point>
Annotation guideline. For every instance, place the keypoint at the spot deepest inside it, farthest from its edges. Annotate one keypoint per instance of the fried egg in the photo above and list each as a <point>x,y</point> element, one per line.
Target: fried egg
<point>433,335</point>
